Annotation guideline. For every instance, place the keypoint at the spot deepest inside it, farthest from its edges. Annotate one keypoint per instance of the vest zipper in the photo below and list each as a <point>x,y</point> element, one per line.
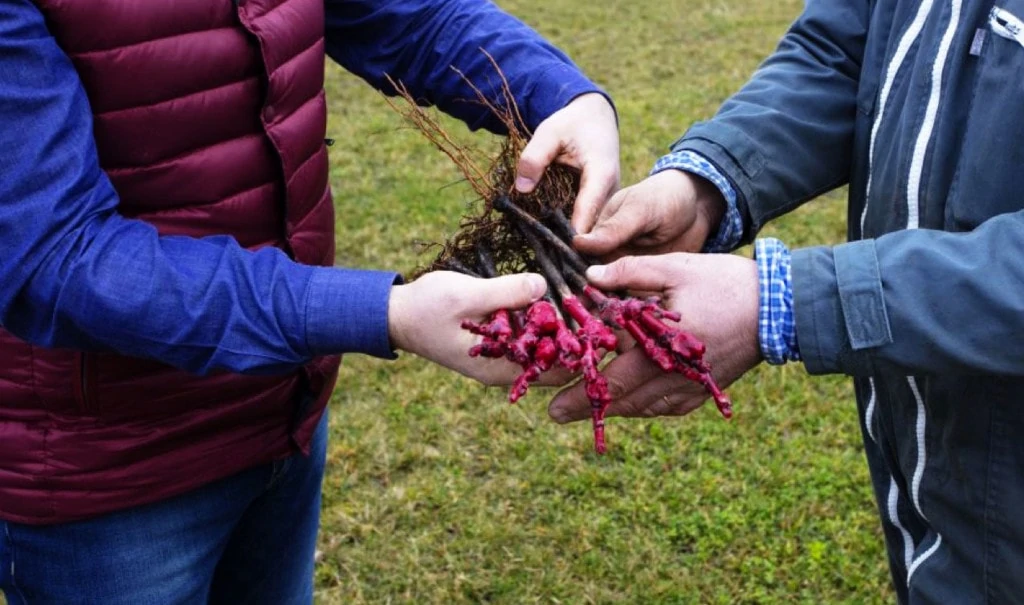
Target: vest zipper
<point>85,383</point>
<point>267,115</point>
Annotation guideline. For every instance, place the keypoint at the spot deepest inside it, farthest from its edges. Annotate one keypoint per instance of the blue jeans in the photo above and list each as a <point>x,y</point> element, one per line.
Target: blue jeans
<point>248,538</point>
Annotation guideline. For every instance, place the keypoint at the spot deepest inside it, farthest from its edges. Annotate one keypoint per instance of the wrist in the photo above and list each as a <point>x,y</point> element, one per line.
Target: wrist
<point>596,101</point>
<point>556,87</point>
<point>715,199</point>
<point>710,204</point>
<point>398,318</point>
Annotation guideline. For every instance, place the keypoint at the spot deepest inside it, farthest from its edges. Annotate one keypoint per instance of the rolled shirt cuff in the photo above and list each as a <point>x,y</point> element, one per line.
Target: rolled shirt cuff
<point>558,86</point>
<point>347,312</point>
<point>776,321</point>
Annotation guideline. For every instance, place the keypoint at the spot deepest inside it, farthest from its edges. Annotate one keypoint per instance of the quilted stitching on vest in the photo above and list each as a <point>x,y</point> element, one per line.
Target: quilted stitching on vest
<point>209,119</point>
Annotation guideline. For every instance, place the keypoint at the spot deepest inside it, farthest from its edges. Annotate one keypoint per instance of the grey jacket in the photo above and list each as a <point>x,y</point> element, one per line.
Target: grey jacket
<point>919,106</point>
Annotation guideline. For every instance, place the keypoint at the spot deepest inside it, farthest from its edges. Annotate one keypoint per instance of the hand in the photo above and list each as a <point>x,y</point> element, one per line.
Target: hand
<point>425,316</point>
<point>672,211</point>
<point>583,134</point>
<point>717,296</point>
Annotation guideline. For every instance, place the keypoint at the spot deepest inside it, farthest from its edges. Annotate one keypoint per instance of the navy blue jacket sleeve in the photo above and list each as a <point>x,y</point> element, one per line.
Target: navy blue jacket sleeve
<point>787,135</point>
<point>75,273</point>
<point>917,301</point>
<point>418,42</point>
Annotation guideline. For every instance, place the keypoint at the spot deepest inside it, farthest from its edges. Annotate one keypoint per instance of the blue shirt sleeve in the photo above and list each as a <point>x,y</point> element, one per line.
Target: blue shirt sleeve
<point>422,43</point>
<point>776,328</point>
<point>75,273</point>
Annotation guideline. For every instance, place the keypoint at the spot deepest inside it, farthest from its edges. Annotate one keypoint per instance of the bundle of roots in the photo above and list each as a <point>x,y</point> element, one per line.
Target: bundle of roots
<point>511,232</point>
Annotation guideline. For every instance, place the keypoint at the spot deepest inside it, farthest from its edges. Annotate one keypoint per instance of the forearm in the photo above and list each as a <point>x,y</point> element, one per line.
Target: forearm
<point>199,304</point>
<point>423,42</point>
<point>75,273</point>
<point>787,135</point>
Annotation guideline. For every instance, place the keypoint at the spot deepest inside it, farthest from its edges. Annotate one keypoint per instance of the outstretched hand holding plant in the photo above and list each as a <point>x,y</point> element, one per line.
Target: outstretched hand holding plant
<point>426,315</point>
<point>716,298</point>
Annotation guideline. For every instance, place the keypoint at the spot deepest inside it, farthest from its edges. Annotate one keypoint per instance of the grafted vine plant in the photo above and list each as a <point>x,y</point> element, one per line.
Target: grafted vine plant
<point>506,231</point>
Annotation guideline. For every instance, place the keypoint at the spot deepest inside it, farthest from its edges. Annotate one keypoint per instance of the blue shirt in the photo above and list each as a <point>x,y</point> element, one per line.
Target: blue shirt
<point>75,273</point>
<point>776,322</point>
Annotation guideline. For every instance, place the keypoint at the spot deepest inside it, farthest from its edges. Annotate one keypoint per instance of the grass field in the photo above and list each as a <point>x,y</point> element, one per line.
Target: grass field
<point>439,492</point>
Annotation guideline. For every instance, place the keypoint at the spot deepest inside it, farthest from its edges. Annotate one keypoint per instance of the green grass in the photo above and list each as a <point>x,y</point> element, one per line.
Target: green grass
<point>439,492</point>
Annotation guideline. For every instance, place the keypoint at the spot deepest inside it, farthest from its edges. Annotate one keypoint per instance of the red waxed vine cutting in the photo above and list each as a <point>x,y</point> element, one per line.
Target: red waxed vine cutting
<point>512,232</point>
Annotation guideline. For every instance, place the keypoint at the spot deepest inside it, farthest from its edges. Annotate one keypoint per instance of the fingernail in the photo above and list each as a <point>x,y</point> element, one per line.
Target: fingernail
<point>524,184</point>
<point>538,286</point>
<point>595,272</point>
<point>558,415</point>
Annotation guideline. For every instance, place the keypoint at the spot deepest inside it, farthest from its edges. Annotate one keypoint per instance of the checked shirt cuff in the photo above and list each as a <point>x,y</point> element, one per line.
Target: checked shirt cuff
<point>730,230</point>
<point>776,329</point>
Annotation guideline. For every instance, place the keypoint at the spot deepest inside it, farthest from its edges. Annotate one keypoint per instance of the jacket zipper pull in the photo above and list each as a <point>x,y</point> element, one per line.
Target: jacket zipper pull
<point>1005,25</point>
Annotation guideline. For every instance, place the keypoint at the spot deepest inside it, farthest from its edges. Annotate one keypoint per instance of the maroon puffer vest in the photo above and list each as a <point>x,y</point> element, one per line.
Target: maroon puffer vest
<point>210,119</point>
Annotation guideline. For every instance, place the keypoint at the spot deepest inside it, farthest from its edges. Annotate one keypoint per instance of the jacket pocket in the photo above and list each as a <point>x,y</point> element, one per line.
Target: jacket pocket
<point>989,180</point>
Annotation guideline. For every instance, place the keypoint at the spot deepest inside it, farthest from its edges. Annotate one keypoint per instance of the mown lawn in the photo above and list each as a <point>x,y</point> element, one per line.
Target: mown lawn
<point>440,492</point>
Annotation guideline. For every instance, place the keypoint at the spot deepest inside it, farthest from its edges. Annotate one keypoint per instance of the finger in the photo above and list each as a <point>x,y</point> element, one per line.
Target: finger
<point>654,273</point>
<point>493,372</point>
<point>569,405</point>
<point>664,395</point>
<point>623,340</point>
<point>502,372</point>
<point>625,373</point>
<point>598,181</point>
<point>619,224</point>
<point>555,377</point>
<point>539,153</point>
<point>504,292</point>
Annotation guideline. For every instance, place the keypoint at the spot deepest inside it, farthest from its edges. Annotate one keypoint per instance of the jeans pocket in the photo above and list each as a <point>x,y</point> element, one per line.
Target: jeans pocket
<point>8,588</point>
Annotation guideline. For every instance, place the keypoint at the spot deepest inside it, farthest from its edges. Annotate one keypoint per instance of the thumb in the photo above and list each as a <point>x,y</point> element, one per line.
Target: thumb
<point>621,221</point>
<point>610,234</point>
<point>542,149</point>
<point>598,180</point>
<point>649,273</point>
<point>505,292</point>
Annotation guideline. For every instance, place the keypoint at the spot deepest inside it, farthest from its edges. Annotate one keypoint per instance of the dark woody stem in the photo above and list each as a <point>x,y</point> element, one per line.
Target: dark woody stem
<point>547,266</point>
<point>561,224</point>
<point>453,265</point>
<point>574,278</point>
<point>485,261</point>
<point>565,230</point>
<point>527,223</point>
